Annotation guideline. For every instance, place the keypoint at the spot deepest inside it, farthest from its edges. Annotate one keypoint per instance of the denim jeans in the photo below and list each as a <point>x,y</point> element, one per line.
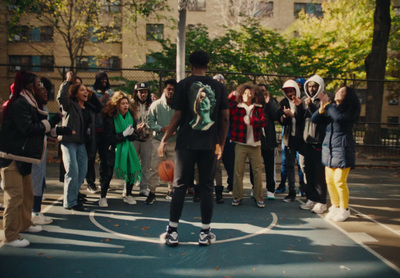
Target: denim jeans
<point>75,162</point>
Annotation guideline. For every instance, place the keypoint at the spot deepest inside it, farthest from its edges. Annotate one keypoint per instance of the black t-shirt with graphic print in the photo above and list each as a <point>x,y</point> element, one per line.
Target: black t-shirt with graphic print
<point>200,98</point>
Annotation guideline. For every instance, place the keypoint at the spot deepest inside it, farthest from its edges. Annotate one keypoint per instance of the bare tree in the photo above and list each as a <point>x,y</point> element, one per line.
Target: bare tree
<point>236,12</point>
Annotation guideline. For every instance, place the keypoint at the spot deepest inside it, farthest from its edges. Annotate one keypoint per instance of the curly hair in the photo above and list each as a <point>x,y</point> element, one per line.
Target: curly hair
<point>111,108</point>
<point>242,88</point>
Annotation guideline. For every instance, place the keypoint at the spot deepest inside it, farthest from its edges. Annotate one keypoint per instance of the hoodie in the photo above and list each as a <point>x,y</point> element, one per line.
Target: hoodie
<point>313,133</point>
<point>292,125</point>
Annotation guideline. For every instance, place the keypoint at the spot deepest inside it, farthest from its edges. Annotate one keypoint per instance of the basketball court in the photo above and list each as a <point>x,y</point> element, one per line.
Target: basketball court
<point>278,241</point>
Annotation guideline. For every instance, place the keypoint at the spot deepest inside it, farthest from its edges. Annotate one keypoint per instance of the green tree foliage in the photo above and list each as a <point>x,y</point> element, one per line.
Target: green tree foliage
<point>250,48</point>
<point>81,22</point>
<point>336,44</point>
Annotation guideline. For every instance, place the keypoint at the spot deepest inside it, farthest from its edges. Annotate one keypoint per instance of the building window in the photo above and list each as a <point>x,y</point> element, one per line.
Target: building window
<point>92,63</point>
<point>393,120</point>
<point>154,32</point>
<point>105,35</point>
<point>264,9</point>
<point>111,6</point>
<point>196,5</point>
<point>312,9</point>
<point>34,34</point>
<point>393,101</point>
<point>150,59</point>
<point>31,63</point>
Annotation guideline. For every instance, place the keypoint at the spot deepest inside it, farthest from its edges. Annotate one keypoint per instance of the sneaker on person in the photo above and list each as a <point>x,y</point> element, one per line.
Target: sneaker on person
<point>170,237</point>
<point>251,194</point>
<point>151,198</point>
<point>130,200</point>
<point>260,204</point>
<point>319,208</point>
<point>341,215</point>
<point>308,205</point>
<point>236,202</point>
<point>270,195</point>
<point>78,207</point>
<point>206,238</point>
<point>19,242</point>
<point>289,198</point>
<point>1,206</point>
<point>91,188</point>
<point>169,195</point>
<point>144,193</point>
<point>33,229</point>
<point>103,203</point>
<point>39,219</point>
<point>331,213</point>
<point>281,188</point>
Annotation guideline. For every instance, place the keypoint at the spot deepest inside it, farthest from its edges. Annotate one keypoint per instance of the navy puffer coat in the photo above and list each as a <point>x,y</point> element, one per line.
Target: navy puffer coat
<point>338,147</point>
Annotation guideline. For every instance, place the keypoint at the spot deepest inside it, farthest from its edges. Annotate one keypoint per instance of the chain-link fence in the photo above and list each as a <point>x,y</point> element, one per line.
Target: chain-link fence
<point>125,79</point>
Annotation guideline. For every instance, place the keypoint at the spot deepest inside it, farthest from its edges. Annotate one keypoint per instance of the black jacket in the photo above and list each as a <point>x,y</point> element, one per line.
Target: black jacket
<point>268,135</point>
<point>112,138</point>
<point>22,136</point>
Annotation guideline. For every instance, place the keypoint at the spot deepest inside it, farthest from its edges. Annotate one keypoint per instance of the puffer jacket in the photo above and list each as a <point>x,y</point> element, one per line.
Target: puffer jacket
<point>338,147</point>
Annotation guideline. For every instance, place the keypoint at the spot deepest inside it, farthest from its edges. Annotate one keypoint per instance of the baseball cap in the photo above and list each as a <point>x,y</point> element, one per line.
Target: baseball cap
<point>141,86</point>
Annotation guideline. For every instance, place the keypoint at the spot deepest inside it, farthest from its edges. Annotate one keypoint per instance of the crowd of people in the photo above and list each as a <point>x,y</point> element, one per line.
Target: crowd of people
<point>194,123</point>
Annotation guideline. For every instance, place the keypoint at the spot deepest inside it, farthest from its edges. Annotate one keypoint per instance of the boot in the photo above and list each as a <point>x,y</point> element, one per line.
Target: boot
<point>218,193</point>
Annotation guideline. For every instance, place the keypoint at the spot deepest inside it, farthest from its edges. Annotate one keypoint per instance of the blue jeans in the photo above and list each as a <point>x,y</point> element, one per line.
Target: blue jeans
<point>75,162</point>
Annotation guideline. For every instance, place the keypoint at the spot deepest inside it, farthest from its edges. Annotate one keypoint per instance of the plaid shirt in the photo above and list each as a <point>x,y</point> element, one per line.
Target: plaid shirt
<point>238,126</point>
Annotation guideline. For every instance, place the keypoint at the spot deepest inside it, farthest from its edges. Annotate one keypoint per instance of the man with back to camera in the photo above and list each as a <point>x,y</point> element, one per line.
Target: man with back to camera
<point>196,144</point>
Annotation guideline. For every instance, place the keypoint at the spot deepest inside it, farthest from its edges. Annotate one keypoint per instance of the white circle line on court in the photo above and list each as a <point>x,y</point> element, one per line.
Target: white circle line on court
<point>158,241</point>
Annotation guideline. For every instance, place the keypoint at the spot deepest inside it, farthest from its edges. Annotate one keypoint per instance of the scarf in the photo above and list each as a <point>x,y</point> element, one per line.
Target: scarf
<point>127,165</point>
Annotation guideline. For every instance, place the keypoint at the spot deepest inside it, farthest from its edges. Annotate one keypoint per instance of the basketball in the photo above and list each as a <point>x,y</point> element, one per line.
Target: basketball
<point>166,170</point>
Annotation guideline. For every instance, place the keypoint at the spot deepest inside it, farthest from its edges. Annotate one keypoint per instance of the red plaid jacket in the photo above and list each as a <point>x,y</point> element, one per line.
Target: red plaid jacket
<point>238,126</point>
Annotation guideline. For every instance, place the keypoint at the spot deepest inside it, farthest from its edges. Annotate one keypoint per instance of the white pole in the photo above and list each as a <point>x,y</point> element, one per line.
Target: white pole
<point>180,49</point>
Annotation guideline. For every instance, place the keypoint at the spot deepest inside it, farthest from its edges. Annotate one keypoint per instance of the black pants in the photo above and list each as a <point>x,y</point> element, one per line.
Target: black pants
<point>228,158</point>
<point>316,189</point>
<point>101,147</point>
<point>183,177</point>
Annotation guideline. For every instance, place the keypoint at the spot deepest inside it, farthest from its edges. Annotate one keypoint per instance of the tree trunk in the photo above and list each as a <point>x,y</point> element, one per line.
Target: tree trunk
<point>180,44</point>
<point>375,65</point>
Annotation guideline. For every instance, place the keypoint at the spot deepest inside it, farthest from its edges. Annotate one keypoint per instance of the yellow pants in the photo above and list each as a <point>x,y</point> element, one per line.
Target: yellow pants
<point>336,180</point>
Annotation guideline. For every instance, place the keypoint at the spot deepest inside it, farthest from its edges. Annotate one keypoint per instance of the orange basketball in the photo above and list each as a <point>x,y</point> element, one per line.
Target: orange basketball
<point>166,170</point>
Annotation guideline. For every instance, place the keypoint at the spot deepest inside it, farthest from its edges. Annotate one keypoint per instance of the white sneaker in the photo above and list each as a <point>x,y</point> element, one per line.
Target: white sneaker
<point>40,219</point>
<point>103,203</point>
<point>331,213</point>
<point>270,195</point>
<point>130,200</point>
<point>33,229</point>
<point>319,208</point>
<point>20,242</point>
<point>341,215</point>
<point>308,205</point>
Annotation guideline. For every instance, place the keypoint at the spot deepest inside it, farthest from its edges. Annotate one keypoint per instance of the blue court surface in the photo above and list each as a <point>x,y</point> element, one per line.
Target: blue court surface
<point>123,241</point>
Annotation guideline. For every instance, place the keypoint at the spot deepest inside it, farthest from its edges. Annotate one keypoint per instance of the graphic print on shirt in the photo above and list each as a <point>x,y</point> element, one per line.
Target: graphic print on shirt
<point>202,102</point>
